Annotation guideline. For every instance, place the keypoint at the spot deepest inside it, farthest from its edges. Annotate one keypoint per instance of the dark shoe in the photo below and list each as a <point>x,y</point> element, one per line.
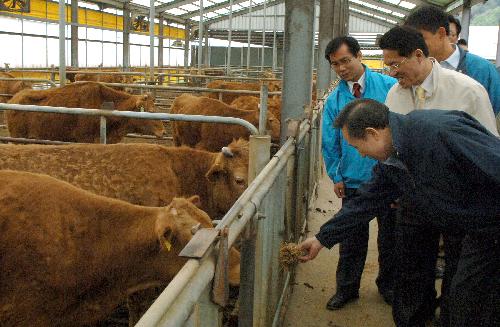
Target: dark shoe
<point>339,300</point>
<point>388,296</point>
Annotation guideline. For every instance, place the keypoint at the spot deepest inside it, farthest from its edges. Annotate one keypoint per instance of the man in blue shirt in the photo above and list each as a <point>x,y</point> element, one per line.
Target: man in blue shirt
<point>348,170</point>
<point>452,186</point>
<point>433,23</point>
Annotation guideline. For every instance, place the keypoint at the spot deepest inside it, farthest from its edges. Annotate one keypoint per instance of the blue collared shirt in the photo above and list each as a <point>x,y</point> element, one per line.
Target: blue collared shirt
<point>445,164</point>
<point>343,162</point>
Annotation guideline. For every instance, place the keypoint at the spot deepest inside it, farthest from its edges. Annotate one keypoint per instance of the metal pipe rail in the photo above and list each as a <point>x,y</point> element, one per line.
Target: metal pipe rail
<point>221,76</point>
<point>40,80</point>
<point>132,114</point>
<point>182,88</point>
<point>105,72</point>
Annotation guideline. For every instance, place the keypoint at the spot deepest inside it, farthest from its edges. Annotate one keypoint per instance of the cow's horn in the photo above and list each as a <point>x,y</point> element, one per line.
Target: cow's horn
<point>227,152</point>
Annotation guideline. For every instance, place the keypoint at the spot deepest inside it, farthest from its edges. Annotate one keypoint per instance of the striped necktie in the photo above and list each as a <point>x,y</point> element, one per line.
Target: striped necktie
<point>356,90</point>
<point>420,93</point>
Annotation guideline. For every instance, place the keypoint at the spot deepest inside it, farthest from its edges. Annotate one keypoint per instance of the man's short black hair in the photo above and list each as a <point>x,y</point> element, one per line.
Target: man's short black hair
<point>454,20</point>
<point>336,43</point>
<point>404,40</point>
<point>360,114</point>
<point>462,42</point>
<point>428,18</point>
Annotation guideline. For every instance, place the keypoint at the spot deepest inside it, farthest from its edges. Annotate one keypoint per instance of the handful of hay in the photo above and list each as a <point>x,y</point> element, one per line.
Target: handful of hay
<point>289,254</point>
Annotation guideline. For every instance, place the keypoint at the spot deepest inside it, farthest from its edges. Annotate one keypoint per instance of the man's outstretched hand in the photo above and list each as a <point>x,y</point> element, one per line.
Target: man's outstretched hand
<point>312,246</point>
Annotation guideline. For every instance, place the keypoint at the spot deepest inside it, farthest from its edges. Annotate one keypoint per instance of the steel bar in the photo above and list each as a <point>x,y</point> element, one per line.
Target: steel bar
<point>264,94</point>
<point>183,88</point>
<point>242,78</point>
<point>326,16</point>
<point>62,42</point>
<point>126,36</point>
<point>31,141</point>
<point>152,40</point>
<point>262,62</point>
<point>74,33</point>
<point>200,38</point>
<point>160,40</point>
<point>131,114</point>
<point>229,38</point>
<point>249,33</point>
<point>40,80</point>
<point>299,34</point>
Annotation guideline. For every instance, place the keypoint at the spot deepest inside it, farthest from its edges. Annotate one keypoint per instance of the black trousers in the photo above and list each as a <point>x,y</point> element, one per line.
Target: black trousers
<point>353,254</point>
<point>471,284</point>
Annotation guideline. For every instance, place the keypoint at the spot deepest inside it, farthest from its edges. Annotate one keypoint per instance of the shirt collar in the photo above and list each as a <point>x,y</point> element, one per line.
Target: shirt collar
<point>453,60</point>
<point>361,82</point>
<point>428,83</point>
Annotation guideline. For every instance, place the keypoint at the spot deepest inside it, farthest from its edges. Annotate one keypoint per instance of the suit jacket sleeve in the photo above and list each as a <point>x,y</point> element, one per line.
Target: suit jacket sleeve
<point>371,199</point>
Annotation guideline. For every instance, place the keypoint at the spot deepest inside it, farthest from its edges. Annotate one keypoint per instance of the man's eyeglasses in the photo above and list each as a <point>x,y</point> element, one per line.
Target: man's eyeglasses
<point>341,62</point>
<point>394,67</point>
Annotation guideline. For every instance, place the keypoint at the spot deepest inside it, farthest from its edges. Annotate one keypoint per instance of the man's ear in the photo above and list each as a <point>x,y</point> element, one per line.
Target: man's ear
<point>372,131</point>
<point>359,55</point>
<point>442,32</point>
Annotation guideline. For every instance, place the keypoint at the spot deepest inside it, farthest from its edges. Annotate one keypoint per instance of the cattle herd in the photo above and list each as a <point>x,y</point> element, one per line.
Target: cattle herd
<point>87,227</point>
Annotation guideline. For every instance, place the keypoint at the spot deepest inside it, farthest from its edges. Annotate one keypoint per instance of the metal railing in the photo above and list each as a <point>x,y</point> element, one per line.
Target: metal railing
<point>271,210</point>
<point>34,80</point>
<point>103,114</point>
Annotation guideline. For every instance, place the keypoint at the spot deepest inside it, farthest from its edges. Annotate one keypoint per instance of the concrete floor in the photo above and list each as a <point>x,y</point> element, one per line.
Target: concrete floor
<point>315,281</point>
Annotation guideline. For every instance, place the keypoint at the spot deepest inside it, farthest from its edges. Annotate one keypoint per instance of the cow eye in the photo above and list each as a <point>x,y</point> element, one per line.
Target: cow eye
<point>240,180</point>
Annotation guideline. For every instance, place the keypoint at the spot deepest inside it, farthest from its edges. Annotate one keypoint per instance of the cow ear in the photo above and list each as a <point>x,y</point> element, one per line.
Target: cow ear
<point>165,231</point>
<point>195,199</point>
<point>216,169</point>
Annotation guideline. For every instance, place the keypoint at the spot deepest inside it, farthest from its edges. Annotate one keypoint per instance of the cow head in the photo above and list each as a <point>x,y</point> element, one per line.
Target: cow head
<point>15,87</point>
<point>174,230</point>
<point>174,227</point>
<point>229,175</point>
<point>145,103</point>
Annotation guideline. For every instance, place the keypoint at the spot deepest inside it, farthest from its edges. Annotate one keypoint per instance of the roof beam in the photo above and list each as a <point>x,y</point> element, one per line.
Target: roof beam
<point>243,12</point>
<point>371,19</point>
<point>137,9</point>
<point>388,6</point>
<point>212,8</point>
<point>173,4</point>
<point>375,12</point>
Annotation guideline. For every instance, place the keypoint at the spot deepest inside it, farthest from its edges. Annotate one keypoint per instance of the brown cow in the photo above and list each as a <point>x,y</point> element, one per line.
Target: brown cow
<point>79,128</point>
<point>144,174</point>
<point>230,97</point>
<point>104,78</point>
<point>69,257</point>
<point>211,136</point>
<point>246,102</point>
<point>11,87</point>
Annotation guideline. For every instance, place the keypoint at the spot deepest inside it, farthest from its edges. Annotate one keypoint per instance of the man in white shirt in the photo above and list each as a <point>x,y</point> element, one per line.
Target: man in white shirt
<point>424,84</point>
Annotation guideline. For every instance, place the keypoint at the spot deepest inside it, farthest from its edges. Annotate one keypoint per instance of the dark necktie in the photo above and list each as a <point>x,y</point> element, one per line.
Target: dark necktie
<point>356,90</point>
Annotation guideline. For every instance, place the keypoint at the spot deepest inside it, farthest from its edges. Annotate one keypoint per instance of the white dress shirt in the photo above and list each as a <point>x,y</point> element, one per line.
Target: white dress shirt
<point>427,84</point>
<point>361,82</point>
<point>453,60</point>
